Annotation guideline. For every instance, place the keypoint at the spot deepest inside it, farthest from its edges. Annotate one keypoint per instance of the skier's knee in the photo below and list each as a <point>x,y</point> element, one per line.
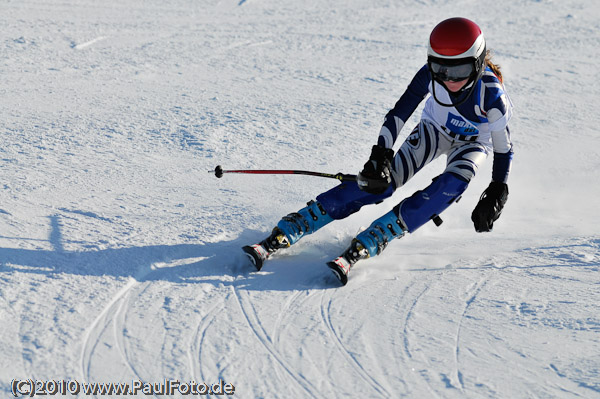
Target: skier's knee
<point>428,204</point>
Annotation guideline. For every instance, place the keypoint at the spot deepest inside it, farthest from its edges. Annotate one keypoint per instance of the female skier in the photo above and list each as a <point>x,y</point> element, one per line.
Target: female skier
<point>465,118</point>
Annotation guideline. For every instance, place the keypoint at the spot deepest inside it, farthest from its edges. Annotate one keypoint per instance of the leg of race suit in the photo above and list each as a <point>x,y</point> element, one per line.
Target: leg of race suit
<point>429,203</point>
<point>422,146</point>
<point>424,205</point>
<point>346,199</point>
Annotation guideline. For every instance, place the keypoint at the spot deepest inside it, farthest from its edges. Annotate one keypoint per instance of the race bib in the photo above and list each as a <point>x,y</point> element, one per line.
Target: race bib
<point>459,125</point>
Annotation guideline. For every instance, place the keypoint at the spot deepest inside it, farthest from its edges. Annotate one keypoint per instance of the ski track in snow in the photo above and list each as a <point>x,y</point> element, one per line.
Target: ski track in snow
<point>196,349</point>
<point>326,304</point>
<point>407,357</point>
<point>258,330</point>
<point>113,314</point>
<point>287,308</point>
<point>94,332</point>
<point>472,296</point>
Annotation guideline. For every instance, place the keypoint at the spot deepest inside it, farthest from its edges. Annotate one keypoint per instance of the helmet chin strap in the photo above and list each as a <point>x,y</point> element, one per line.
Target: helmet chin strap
<point>472,83</point>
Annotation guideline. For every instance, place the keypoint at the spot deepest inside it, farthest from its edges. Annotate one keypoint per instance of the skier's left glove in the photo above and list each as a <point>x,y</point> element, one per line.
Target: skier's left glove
<point>376,175</point>
<point>489,207</point>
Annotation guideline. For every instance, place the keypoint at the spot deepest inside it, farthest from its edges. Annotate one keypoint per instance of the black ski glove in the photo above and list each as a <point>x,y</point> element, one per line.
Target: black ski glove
<point>376,175</point>
<point>489,207</point>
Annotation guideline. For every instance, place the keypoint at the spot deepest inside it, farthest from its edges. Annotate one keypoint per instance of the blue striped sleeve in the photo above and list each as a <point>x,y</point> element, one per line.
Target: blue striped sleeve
<point>416,91</point>
<point>501,166</point>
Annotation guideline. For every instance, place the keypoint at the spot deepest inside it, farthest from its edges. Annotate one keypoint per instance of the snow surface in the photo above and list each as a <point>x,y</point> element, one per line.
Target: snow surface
<point>120,255</point>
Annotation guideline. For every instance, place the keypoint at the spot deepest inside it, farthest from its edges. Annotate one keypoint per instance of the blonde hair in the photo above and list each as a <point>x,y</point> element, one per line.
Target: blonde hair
<point>494,67</point>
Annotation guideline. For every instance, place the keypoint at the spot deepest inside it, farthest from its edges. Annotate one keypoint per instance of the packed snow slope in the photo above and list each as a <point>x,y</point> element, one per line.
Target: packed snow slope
<point>120,254</point>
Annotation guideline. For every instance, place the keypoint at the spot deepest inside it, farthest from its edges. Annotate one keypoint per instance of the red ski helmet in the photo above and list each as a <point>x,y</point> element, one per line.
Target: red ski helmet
<point>456,51</point>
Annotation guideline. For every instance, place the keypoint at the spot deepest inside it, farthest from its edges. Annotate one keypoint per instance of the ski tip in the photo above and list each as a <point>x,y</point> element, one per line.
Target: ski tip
<point>253,257</point>
<point>338,272</point>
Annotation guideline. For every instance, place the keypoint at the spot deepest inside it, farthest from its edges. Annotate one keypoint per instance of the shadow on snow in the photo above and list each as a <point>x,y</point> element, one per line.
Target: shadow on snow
<point>214,263</point>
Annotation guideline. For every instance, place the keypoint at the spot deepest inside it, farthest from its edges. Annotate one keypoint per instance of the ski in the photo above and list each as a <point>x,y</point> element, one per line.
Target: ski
<point>256,254</point>
<point>341,265</point>
<point>340,268</point>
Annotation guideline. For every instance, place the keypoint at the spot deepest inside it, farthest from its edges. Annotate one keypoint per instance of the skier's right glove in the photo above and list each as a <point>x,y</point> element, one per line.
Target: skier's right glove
<point>489,207</point>
<point>376,175</point>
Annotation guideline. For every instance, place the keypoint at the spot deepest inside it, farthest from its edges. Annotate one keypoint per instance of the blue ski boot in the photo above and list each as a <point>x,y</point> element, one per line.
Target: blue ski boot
<point>370,242</point>
<point>288,231</point>
<point>408,216</point>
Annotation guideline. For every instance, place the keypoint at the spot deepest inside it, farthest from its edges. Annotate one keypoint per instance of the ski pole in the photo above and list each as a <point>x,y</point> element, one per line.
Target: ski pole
<point>339,176</point>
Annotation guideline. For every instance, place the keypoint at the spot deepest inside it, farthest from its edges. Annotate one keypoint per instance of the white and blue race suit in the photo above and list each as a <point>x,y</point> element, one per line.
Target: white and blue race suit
<point>465,132</point>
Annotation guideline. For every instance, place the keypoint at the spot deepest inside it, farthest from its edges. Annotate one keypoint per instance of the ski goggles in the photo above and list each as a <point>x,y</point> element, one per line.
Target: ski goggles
<point>451,73</point>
